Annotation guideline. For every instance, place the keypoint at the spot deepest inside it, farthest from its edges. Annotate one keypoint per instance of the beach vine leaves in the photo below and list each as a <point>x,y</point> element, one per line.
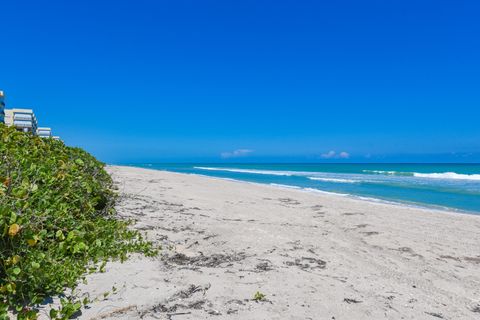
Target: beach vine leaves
<point>56,215</point>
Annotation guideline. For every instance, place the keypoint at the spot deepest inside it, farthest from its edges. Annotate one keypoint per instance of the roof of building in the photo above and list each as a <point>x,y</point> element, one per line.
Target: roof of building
<point>22,110</point>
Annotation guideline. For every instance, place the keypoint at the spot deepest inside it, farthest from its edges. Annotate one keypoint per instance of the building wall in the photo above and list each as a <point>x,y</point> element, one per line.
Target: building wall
<point>9,117</point>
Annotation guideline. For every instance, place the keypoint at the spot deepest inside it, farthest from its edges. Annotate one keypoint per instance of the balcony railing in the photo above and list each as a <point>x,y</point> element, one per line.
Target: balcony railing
<point>23,123</point>
<point>19,116</point>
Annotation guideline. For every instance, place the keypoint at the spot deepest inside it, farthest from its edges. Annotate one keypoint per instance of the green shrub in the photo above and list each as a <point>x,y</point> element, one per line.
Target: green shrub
<point>259,297</point>
<point>57,222</point>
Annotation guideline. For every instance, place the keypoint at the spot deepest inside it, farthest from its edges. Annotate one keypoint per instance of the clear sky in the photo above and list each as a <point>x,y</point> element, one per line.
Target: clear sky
<point>149,81</point>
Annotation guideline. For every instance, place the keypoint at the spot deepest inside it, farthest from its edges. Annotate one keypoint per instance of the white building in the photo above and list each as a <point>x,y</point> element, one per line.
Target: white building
<point>44,132</point>
<point>22,119</point>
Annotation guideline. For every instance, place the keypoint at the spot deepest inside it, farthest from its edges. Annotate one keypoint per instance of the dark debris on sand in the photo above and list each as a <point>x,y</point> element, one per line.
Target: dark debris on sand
<point>350,300</point>
<point>306,263</point>
<point>216,260</point>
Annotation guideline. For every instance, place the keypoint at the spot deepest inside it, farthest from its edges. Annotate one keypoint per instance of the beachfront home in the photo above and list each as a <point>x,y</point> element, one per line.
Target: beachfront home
<point>22,119</point>
<point>44,132</point>
<point>2,107</point>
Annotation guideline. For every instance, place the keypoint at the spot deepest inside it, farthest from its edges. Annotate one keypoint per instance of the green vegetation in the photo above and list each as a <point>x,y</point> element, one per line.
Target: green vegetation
<point>57,223</point>
<point>259,297</point>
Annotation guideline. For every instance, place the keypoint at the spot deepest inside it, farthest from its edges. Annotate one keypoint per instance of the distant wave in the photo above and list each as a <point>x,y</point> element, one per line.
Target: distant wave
<point>448,175</point>
<point>334,180</point>
<point>284,173</point>
<point>325,176</point>
<point>270,172</point>
<point>439,175</point>
<point>389,173</point>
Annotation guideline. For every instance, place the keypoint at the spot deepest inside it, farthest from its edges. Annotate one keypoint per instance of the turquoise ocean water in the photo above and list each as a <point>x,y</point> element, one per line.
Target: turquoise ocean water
<point>447,186</point>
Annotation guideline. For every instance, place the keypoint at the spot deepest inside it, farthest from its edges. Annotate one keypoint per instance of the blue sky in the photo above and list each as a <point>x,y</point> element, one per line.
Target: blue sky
<point>145,81</point>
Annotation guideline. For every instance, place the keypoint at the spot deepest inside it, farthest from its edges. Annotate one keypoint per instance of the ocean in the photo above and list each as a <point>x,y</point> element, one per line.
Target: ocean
<point>441,186</point>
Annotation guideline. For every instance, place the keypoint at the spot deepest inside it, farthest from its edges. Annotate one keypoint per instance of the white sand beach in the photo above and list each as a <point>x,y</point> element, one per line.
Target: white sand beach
<point>313,256</point>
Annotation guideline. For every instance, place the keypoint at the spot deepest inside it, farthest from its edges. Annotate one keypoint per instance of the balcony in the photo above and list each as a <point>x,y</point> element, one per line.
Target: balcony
<point>22,123</point>
<point>22,116</point>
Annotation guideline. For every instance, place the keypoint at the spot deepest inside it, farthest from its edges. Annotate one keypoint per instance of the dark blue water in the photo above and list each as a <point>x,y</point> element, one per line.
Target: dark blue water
<point>449,186</point>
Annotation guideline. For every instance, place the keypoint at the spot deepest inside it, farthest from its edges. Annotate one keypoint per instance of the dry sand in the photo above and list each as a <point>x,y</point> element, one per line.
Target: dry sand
<point>314,256</point>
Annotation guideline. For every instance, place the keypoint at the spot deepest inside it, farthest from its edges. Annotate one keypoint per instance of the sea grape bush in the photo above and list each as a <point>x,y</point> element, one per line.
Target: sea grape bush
<point>57,223</point>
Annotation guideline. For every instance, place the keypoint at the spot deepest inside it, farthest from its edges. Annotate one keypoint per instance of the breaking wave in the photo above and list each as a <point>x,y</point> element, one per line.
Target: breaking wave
<point>270,172</point>
<point>312,175</point>
<point>334,180</point>
<point>389,173</point>
<point>448,175</point>
<point>436,175</point>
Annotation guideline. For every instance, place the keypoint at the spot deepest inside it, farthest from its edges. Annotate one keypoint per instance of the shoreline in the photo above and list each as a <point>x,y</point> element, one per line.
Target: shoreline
<point>399,203</point>
<point>312,255</point>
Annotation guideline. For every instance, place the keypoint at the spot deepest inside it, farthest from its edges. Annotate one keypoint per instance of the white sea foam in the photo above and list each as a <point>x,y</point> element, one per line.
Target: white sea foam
<point>436,175</point>
<point>389,173</point>
<point>270,172</point>
<point>448,175</point>
<point>327,192</point>
<point>318,176</point>
<point>284,186</point>
<point>308,174</point>
<point>322,176</point>
<point>381,201</point>
<point>334,180</point>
